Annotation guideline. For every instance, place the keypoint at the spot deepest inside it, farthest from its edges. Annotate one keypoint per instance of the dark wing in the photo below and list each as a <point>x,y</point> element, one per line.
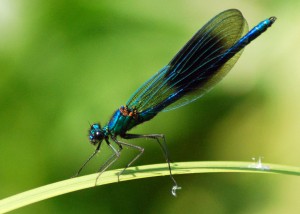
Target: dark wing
<point>196,68</point>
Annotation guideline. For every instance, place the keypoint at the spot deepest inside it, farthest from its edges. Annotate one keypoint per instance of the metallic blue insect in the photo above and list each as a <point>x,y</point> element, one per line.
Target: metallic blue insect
<point>196,68</point>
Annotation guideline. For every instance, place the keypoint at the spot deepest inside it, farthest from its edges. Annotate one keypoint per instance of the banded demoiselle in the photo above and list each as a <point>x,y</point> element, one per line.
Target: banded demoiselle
<point>205,59</point>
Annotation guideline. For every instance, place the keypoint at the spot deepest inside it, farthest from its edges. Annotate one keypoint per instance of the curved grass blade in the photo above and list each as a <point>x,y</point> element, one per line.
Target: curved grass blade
<point>132,173</point>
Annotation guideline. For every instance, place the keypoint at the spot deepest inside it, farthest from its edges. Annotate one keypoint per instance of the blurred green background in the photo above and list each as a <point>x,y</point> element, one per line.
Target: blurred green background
<point>66,63</point>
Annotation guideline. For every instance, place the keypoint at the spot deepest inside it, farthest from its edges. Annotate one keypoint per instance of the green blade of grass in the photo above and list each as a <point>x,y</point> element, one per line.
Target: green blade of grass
<point>138,172</point>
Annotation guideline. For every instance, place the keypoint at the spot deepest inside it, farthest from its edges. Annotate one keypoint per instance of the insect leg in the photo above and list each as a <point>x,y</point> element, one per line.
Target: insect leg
<point>164,148</point>
<point>90,158</point>
<point>140,149</point>
<point>111,160</point>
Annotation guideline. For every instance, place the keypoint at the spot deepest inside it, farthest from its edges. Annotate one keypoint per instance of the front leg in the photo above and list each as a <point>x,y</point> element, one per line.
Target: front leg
<point>90,158</point>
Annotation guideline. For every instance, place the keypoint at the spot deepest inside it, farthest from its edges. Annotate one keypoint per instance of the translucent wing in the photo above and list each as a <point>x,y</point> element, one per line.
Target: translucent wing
<point>196,68</point>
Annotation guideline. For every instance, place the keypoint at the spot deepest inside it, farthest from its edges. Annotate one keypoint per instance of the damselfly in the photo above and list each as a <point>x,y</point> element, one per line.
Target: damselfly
<point>196,68</point>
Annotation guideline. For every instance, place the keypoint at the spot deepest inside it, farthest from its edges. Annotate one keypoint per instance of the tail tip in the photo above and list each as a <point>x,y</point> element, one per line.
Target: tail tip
<point>272,19</point>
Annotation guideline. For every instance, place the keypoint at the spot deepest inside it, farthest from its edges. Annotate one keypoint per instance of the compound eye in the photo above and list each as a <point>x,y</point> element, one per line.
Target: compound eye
<point>99,135</point>
<point>96,134</point>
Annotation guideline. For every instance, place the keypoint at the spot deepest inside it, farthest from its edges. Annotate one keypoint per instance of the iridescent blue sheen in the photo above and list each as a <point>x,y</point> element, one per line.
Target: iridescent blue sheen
<point>196,68</point>
<point>119,124</point>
